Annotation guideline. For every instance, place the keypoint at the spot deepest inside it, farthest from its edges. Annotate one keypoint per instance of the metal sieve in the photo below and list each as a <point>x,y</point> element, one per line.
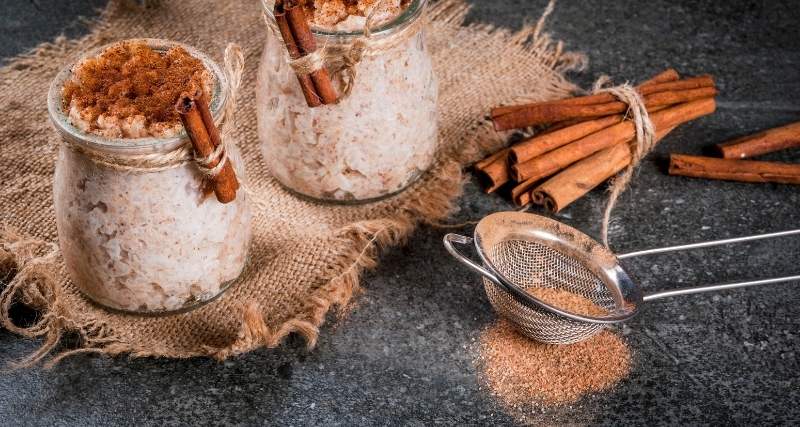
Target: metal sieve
<point>521,250</point>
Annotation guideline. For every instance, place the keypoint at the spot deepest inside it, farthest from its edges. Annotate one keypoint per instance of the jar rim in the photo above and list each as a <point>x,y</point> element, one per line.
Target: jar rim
<point>408,16</point>
<point>61,121</point>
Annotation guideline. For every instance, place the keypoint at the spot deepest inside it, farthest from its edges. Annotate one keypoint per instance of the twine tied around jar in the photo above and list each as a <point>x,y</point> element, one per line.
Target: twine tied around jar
<point>184,153</point>
<point>642,145</point>
<point>340,60</point>
<point>234,68</point>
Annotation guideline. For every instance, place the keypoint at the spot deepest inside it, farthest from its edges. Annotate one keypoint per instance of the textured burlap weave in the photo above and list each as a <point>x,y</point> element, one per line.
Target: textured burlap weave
<point>305,258</point>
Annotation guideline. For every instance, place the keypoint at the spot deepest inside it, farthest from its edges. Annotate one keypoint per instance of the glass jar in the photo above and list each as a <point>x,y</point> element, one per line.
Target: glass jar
<point>145,241</point>
<point>374,142</point>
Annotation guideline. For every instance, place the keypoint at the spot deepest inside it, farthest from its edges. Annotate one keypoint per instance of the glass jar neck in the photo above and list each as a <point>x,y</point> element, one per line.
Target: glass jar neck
<point>132,146</point>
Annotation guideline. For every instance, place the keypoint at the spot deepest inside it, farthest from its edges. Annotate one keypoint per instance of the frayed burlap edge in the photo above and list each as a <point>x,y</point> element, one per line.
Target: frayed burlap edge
<point>33,265</point>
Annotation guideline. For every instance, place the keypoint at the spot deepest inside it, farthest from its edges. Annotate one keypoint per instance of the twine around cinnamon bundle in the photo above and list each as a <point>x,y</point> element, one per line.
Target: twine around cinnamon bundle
<point>643,144</point>
<point>184,153</point>
<point>340,60</point>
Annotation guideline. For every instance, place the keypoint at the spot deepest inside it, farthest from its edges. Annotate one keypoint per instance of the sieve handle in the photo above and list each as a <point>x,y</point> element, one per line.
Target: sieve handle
<point>451,238</point>
<point>709,244</point>
<point>714,288</point>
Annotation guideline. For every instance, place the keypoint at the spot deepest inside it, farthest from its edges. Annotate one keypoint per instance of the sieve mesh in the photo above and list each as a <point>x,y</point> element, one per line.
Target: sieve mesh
<point>531,264</point>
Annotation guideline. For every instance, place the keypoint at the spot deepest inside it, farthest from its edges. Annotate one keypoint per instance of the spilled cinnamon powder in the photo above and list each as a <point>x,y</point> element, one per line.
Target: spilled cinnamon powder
<point>131,85</point>
<point>567,301</point>
<point>520,371</point>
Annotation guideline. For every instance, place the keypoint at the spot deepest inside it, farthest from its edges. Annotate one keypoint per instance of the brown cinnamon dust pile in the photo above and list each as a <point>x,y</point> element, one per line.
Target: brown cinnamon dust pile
<point>131,79</point>
<point>567,301</point>
<point>520,371</point>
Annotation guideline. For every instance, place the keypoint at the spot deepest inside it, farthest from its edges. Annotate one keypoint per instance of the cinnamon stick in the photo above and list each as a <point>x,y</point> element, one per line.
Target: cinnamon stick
<point>558,159</point>
<point>668,75</point>
<point>307,44</point>
<point>492,171</point>
<point>768,141</point>
<point>556,111</point>
<point>697,82</point>
<point>734,170</point>
<point>203,106</point>
<point>521,193</point>
<point>306,85</point>
<point>225,183</point>
<point>575,181</point>
<point>539,145</point>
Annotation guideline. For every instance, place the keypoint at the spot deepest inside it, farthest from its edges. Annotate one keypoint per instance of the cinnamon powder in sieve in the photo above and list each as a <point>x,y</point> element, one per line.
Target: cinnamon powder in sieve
<point>131,79</point>
<point>567,301</point>
<point>520,371</point>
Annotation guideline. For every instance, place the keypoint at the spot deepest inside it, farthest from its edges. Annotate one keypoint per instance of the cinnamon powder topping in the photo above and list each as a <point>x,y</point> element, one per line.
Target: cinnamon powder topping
<point>331,12</point>
<point>131,81</point>
<point>523,373</point>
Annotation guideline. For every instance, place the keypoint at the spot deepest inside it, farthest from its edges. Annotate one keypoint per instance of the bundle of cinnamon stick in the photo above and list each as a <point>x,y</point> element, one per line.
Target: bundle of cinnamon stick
<point>292,22</point>
<point>588,138</point>
<point>731,167</point>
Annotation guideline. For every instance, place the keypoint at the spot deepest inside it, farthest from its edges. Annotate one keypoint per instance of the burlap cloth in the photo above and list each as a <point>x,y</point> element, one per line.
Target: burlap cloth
<point>305,258</point>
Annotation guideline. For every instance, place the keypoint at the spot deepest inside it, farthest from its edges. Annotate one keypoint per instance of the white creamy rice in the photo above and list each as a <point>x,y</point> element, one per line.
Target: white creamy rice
<point>147,242</point>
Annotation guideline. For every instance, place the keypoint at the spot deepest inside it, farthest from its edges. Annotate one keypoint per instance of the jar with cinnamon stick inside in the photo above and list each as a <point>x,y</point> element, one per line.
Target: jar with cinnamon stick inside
<point>364,125</point>
<point>139,224</point>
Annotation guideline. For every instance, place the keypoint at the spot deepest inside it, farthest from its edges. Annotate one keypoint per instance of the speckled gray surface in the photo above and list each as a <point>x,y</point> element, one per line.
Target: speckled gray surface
<point>405,354</point>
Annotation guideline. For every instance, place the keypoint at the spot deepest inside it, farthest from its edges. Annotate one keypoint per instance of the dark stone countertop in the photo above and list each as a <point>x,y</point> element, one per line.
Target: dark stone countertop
<point>405,354</point>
